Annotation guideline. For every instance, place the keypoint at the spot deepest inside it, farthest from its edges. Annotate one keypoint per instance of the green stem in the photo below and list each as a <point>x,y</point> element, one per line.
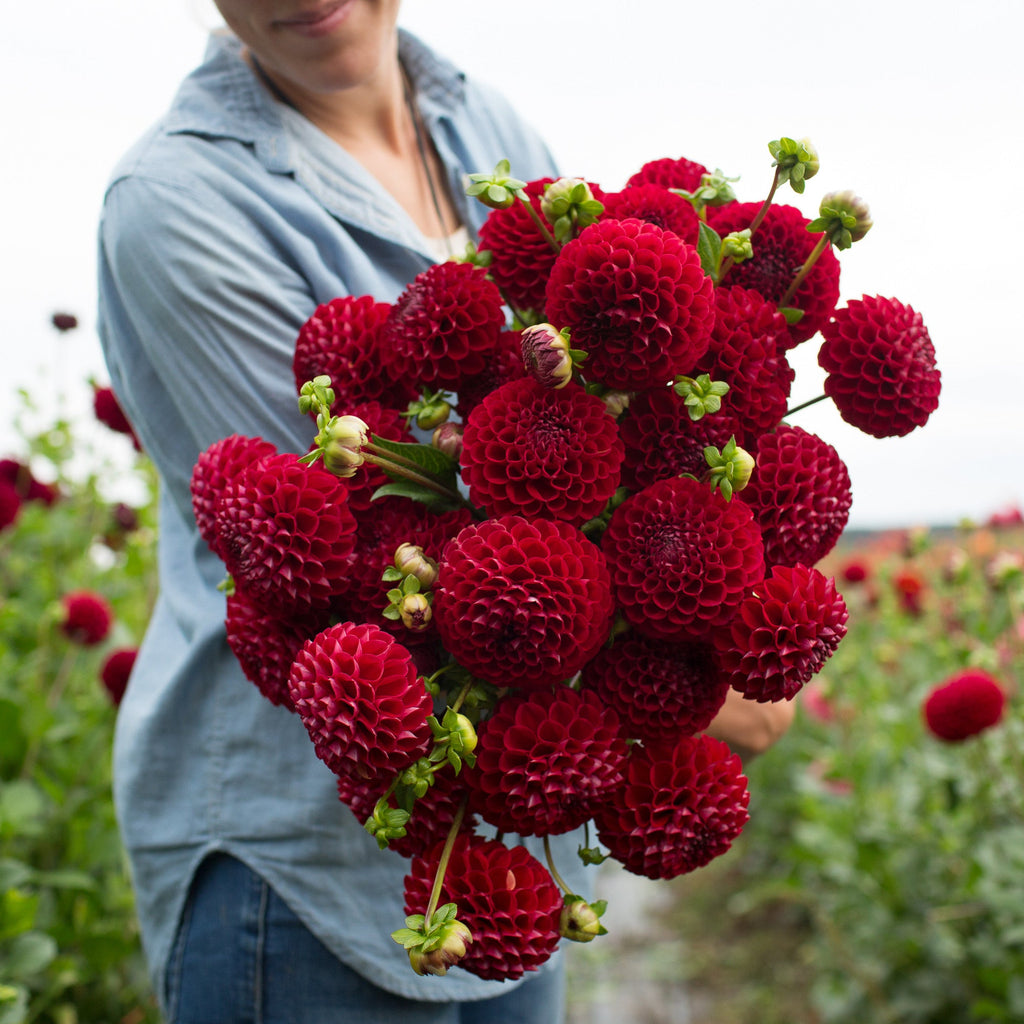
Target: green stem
<point>442,864</point>
<point>755,223</point>
<point>805,405</point>
<point>559,881</point>
<point>390,456</point>
<point>416,478</point>
<point>804,271</point>
<point>463,694</point>
<point>539,222</point>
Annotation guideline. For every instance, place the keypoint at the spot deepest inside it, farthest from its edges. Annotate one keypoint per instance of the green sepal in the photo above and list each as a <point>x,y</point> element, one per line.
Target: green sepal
<point>591,855</point>
<point>392,574</point>
<point>792,314</point>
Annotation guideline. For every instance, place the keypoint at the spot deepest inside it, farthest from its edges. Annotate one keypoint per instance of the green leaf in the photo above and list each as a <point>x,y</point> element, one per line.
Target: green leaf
<point>29,953</point>
<point>425,456</point>
<point>792,314</point>
<point>13,874</point>
<point>417,492</point>
<point>67,878</point>
<point>709,248</point>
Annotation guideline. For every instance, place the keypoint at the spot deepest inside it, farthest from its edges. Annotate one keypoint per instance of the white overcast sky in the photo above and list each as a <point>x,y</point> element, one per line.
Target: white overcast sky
<point>917,107</point>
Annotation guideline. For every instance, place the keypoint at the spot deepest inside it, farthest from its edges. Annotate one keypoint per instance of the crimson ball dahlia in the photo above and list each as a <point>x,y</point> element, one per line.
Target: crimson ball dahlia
<point>115,672</point>
<point>10,505</point>
<point>20,477</point>
<point>635,299</point>
<point>661,440</point>
<point>670,172</point>
<point>285,533</point>
<point>506,898</point>
<point>783,633</point>
<point>522,603</point>
<point>358,694</point>
<point>681,805</point>
<point>781,245</point>
<point>266,644</point>
<point>342,339</point>
<point>658,688</point>
<point>535,451</point>
<point>881,367</point>
<point>746,352</point>
<point>800,494</point>
<point>87,617</point>
<point>655,204</point>
<point>545,760</point>
<point>217,467</point>
<point>506,364</point>
<point>966,704</point>
<point>444,327</point>
<point>109,412</point>
<point>682,558</point>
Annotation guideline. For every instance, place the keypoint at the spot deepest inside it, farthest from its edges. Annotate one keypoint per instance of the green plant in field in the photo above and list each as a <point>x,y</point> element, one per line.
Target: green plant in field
<point>69,945</point>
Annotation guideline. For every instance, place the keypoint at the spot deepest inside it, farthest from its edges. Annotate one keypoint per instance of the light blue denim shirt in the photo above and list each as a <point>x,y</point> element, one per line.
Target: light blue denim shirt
<point>222,230</point>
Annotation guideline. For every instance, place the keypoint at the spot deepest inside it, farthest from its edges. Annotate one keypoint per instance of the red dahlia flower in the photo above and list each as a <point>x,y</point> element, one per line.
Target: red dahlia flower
<point>285,533</point>
<point>522,603</point>
<point>800,494</point>
<point>364,706</point>
<point>881,366</point>
<point>545,760</point>
<point>10,505</point>
<point>682,558</point>
<point>342,339</point>
<point>910,587</point>
<point>109,412</point>
<point>217,467</point>
<point>658,688</point>
<point>445,326</point>
<point>27,487</point>
<point>635,299</point>
<point>87,617</point>
<point>115,672</point>
<point>505,897</point>
<point>784,632</point>
<point>505,364</point>
<point>534,451</point>
<point>781,245</point>
<point>680,806</point>
<point>670,173</point>
<point>654,204</point>
<point>662,441</point>
<point>966,704</point>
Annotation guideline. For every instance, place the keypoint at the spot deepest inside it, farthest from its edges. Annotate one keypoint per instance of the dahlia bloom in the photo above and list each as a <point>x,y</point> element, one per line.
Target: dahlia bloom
<point>109,412</point>
<point>654,204</point>
<point>10,505</point>
<point>966,704</point>
<point>681,805</point>
<point>27,488</point>
<point>669,172</point>
<point>783,633</point>
<point>87,617</point>
<point>361,700</point>
<point>635,299</point>
<point>521,603</point>
<point>682,558</point>
<point>881,367</point>
<point>115,672</point>
<point>536,451</point>
<point>506,898</point>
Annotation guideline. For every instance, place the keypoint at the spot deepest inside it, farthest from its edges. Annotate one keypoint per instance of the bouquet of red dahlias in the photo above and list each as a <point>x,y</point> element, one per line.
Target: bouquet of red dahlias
<point>530,622</point>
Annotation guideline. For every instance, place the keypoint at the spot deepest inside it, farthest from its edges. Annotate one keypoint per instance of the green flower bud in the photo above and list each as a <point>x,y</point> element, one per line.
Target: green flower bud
<point>498,190</point>
<point>730,468</point>
<point>796,161</point>
<point>580,921</point>
<point>737,246</point>
<point>341,442</point>
<point>701,395</point>
<point>411,560</point>
<point>446,948</point>
<point>415,612</point>
<point>569,205</point>
<point>844,217</point>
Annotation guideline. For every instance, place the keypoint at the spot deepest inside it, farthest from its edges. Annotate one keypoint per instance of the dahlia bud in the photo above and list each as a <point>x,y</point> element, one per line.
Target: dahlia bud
<point>411,560</point>
<point>844,217</point>
<point>546,355</point>
<point>464,735</point>
<point>430,411</point>
<point>714,190</point>
<point>737,246</point>
<point>796,161</point>
<point>580,920</point>
<point>569,205</point>
<point>730,468</point>
<point>498,190</point>
<point>341,441</point>
<point>415,612</point>
<point>701,395</point>
<point>616,402</point>
<point>386,823</point>
<point>447,439</point>
<point>452,940</point>
<point>456,736</point>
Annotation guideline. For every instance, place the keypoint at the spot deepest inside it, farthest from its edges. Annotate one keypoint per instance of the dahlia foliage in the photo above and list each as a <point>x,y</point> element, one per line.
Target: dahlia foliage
<point>528,624</point>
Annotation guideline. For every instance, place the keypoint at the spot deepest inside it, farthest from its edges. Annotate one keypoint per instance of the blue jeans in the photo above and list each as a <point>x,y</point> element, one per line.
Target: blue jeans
<point>242,957</point>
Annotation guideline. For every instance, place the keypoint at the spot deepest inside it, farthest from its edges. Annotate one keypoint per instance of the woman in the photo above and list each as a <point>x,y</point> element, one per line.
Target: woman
<point>318,151</point>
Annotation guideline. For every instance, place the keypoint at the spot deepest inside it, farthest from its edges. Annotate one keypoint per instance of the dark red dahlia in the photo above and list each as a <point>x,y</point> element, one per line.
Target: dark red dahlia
<point>87,617</point>
<point>881,367</point>
<point>783,634</point>
<point>64,322</point>
<point>655,204</point>
<point>266,644</point>
<point>505,364</point>
<point>781,245</point>
<point>342,339</point>
<point>680,806</point>
<point>109,412</point>
<point>10,505</point>
<point>285,533</point>
<point>746,352</point>
<point>521,257</point>
<point>635,298</point>
<point>800,494</point>
<point>522,603</point>
<point>217,467</point>
<point>445,326</point>
<point>545,760</point>
<point>658,689</point>
<point>505,897</point>
<point>535,451</point>
<point>364,706</point>
<point>670,172</point>
<point>20,477</point>
<point>116,671</point>
<point>963,706</point>
<point>856,570</point>
<point>682,558</point>
<point>662,441</point>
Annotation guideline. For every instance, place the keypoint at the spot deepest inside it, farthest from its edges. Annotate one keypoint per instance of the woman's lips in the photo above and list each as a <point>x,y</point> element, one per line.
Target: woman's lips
<point>318,21</point>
